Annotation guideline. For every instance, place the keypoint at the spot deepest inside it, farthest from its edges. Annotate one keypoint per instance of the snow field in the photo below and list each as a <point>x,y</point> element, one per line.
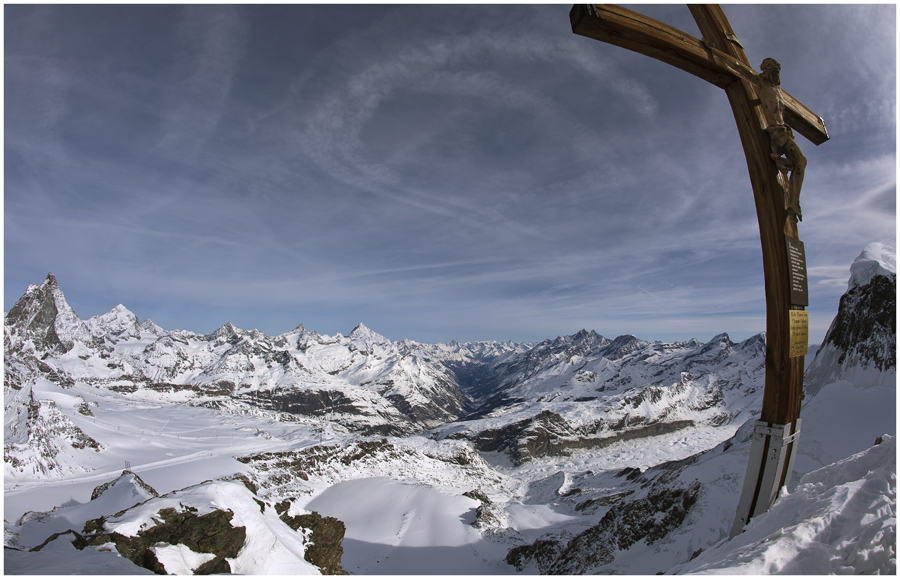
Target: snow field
<point>387,517</point>
<point>843,419</point>
<point>170,447</point>
<point>401,528</point>
<point>179,560</point>
<point>841,519</point>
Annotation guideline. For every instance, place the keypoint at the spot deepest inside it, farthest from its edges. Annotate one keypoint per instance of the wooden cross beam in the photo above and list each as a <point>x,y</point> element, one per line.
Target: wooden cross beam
<point>719,59</point>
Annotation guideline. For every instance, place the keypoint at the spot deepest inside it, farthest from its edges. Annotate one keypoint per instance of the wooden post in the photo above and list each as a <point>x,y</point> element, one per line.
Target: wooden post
<point>720,59</point>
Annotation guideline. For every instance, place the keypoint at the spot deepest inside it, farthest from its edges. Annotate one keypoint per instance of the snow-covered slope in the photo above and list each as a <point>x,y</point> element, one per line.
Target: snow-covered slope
<point>39,437</point>
<point>839,520</point>
<point>576,455</point>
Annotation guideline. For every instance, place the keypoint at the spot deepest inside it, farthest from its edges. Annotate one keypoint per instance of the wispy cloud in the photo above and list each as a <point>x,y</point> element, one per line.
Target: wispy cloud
<point>210,44</point>
<point>335,138</point>
<point>442,172</point>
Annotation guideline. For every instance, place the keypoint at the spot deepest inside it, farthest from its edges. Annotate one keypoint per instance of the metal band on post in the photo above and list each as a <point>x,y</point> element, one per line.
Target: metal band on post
<point>771,462</point>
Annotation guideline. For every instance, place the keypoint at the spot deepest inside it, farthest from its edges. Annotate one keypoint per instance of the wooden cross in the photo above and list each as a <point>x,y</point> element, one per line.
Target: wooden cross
<point>719,59</point>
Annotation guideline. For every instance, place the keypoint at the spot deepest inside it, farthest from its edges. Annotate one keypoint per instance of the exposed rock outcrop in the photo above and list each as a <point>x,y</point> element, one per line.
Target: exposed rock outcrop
<point>649,518</point>
<point>210,533</point>
<point>128,476</point>
<point>326,535</point>
<point>863,335</point>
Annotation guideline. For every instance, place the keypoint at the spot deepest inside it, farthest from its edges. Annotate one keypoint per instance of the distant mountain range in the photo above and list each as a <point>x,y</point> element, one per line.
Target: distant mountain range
<point>571,392</point>
<point>481,417</point>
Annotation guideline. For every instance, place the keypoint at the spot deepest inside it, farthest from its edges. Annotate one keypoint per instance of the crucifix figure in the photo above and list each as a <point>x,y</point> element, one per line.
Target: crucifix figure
<point>785,151</point>
<point>765,116</point>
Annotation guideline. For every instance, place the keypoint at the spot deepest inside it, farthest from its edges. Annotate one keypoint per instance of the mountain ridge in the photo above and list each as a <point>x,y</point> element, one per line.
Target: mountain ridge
<point>363,381</point>
<point>577,454</point>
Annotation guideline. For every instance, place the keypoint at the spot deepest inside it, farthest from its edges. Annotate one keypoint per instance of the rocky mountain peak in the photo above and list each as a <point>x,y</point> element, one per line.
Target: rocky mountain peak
<point>149,326</point>
<point>622,346</point>
<point>223,333</point>
<point>119,322</point>
<point>43,316</point>
<point>364,334</point>
<point>755,343</point>
<point>863,335</point>
<point>718,342</point>
<point>722,338</point>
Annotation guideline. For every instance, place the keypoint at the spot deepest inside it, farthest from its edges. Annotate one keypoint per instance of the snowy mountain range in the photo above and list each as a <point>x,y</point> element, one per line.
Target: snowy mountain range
<point>302,452</point>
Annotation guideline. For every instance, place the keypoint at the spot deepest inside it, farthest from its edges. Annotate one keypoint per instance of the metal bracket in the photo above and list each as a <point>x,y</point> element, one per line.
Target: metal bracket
<point>769,463</point>
<point>732,38</point>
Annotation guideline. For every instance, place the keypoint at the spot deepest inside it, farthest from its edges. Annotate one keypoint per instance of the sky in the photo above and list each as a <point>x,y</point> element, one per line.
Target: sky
<point>436,172</point>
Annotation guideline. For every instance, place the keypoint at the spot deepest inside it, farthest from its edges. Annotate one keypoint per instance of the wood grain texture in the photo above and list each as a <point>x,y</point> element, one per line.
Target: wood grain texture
<point>720,59</point>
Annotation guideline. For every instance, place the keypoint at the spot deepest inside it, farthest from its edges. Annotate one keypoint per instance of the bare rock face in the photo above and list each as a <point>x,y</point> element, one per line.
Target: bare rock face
<point>209,533</point>
<point>865,326</point>
<point>43,316</point>
<point>649,518</point>
<point>486,514</point>
<point>326,551</point>
<point>863,335</point>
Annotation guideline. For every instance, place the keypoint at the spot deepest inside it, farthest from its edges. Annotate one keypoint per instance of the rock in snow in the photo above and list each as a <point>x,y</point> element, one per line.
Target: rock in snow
<point>305,453</point>
<point>214,527</point>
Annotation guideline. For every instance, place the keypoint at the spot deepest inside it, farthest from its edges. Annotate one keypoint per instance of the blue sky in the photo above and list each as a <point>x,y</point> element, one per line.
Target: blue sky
<point>445,172</point>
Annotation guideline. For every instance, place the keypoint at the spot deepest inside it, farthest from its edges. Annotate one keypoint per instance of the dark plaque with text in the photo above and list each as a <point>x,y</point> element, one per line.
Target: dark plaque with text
<point>797,271</point>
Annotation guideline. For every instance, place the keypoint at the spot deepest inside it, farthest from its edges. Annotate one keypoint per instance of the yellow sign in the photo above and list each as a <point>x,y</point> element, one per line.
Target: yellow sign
<point>799,342</point>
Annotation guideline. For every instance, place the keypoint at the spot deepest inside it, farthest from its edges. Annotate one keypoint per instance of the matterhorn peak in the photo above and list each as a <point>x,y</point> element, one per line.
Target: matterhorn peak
<point>44,316</point>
